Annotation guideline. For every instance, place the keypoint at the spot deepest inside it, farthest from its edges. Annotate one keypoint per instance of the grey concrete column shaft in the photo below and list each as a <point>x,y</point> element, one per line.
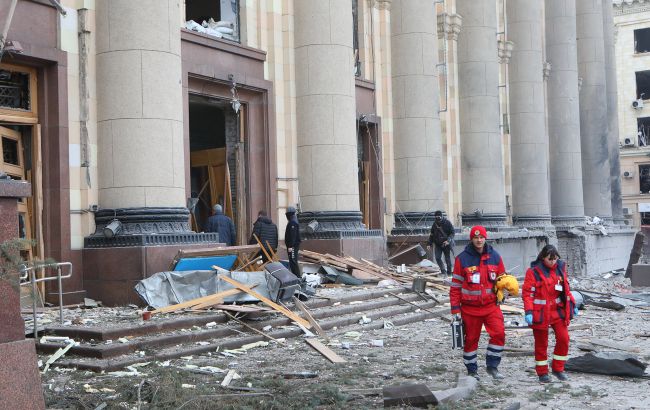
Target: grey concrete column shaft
<point>564,112</point>
<point>416,122</point>
<point>139,104</point>
<point>478,88</point>
<point>612,111</point>
<point>325,106</point>
<point>529,140</point>
<point>593,109</point>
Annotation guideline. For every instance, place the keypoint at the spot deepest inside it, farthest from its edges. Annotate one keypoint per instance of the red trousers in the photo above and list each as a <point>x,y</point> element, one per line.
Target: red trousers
<point>559,353</point>
<point>492,319</point>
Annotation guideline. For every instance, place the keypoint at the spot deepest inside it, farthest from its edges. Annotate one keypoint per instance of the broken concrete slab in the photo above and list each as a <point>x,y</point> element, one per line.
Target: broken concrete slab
<point>417,395</point>
<point>640,275</point>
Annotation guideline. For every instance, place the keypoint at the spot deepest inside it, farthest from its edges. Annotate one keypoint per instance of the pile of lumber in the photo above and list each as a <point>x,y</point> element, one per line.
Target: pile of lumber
<point>366,268</point>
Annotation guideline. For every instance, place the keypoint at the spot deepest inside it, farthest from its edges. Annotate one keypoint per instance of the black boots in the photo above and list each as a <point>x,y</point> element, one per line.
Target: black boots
<point>561,376</point>
<point>494,372</point>
<point>545,378</point>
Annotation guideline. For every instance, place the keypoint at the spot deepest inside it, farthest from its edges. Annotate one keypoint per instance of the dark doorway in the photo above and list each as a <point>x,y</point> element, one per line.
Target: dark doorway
<point>370,183</point>
<point>217,170</point>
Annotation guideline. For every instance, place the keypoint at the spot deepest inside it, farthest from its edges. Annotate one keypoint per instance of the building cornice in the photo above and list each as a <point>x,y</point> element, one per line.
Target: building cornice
<point>622,7</point>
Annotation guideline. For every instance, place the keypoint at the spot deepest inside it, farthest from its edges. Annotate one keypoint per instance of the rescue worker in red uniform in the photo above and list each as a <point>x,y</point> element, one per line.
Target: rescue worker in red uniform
<point>548,302</point>
<point>472,296</point>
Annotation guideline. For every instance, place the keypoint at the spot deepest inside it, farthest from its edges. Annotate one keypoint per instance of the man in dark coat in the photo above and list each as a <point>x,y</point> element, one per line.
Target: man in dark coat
<point>442,236</point>
<point>267,233</point>
<point>223,225</point>
<point>292,240</point>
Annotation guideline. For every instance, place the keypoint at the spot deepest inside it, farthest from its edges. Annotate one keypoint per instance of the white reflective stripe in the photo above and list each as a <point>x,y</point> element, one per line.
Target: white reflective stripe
<point>470,353</point>
<point>560,358</point>
<point>469,361</point>
<point>532,288</point>
<point>456,285</point>
<point>491,353</point>
<point>541,363</point>
<point>471,292</point>
<point>495,347</point>
<point>460,278</point>
<point>539,301</point>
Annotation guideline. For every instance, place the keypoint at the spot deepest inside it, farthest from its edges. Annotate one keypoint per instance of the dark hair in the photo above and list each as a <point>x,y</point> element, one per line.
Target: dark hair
<point>548,250</point>
<point>437,213</point>
<point>261,213</point>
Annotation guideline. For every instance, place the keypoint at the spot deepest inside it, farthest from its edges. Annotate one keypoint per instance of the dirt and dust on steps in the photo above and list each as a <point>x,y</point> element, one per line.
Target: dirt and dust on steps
<point>377,353</point>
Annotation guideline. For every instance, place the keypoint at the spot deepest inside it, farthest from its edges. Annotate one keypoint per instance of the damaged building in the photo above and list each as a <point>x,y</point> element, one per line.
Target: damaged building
<point>132,119</point>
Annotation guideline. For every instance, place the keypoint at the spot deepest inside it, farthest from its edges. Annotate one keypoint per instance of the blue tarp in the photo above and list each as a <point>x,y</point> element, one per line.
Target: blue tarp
<point>206,263</point>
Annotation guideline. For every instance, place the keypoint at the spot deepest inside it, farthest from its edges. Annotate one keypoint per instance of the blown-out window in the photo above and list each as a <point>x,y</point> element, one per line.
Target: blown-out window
<point>642,40</point>
<point>217,18</point>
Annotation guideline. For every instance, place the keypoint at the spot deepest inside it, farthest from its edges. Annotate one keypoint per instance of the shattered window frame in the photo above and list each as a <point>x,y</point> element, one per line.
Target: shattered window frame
<point>215,31</point>
<point>28,94</point>
<point>642,40</point>
<point>644,179</point>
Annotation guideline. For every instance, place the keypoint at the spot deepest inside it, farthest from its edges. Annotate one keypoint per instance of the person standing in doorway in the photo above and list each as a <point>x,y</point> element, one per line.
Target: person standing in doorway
<point>548,302</point>
<point>267,233</point>
<point>292,240</point>
<point>223,225</point>
<point>472,296</point>
<point>442,240</point>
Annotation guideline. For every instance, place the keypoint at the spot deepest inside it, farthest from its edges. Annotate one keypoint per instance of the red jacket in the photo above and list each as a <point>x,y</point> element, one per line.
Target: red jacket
<point>472,285</point>
<point>542,299</point>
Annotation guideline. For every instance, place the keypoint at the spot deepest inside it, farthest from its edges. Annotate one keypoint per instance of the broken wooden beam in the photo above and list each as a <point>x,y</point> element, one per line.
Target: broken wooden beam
<point>325,351</point>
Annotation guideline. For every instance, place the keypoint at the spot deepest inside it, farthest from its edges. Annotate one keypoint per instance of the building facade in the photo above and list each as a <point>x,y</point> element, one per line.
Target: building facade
<point>131,119</point>
<point>632,27</point>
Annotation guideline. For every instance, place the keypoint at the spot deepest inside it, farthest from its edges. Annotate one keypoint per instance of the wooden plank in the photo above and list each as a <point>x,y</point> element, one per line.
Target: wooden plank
<point>253,329</point>
<point>269,302</point>
<point>241,308</point>
<point>220,251</point>
<point>310,318</point>
<point>216,298</point>
<point>268,257</point>
<point>511,309</point>
<point>410,248</point>
<point>325,351</point>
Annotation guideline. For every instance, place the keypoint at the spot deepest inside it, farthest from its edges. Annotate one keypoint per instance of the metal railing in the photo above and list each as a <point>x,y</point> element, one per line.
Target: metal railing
<point>29,275</point>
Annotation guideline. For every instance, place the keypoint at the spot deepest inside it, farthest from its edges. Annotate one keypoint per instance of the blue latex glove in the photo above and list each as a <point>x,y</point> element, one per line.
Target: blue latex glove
<point>529,318</point>
<point>575,311</point>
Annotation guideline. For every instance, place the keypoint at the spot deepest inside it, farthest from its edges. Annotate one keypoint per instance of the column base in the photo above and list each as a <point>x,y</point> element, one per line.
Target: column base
<point>566,222</point>
<point>145,227</point>
<point>412,223</point>
<point>532,221</point>
<point>334,225</point>
<point>494,222</point>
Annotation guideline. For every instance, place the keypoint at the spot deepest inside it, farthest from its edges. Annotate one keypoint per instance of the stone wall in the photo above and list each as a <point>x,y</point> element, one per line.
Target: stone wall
<point>591,253</point>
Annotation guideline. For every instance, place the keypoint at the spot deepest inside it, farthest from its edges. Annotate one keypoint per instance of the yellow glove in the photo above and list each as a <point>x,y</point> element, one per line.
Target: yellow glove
<point>506,282</point>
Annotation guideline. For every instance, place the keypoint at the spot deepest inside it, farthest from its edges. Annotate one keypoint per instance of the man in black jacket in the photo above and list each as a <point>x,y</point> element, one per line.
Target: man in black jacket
<point>223,225</point>
<point>292,240</point>
<point>442,236</point>
<point>267,233</point>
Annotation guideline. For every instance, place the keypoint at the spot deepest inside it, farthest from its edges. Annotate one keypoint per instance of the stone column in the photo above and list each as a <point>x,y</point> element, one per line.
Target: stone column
<point>416,122</point>
<point>480,137</point>
<point>612,112</point>
<point>140,116</point>
<point>449,26</point>
<point>326,114</point>
<point>529,140</point>
<point>564,114</point>
<point>593,109</point>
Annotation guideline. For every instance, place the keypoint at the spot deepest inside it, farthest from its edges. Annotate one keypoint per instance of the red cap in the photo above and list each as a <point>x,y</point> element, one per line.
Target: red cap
<point>476,231</point>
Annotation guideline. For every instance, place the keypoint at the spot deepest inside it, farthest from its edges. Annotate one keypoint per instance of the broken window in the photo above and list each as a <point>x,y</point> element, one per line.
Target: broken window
<point>14,90</point>
<point>355,37</point>
<point>642,40</point>
<point>644,179</point>
<point>645,218</point>
<point>217,18</point>
<point>642,84</point>
<point>643,131</point>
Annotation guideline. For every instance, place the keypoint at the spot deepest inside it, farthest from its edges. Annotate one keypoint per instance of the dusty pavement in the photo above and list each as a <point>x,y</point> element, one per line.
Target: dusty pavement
<point>295,376</point>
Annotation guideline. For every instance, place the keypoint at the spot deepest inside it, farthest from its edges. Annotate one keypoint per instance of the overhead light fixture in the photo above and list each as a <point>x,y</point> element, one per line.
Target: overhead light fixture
<point>113,228</point>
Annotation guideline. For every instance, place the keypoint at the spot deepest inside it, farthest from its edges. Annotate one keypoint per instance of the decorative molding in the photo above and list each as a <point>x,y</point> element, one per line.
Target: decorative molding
<point>413,223</point>
<point>622,7</point>
<point>450,25</point>
<point>334,225</point>
<point>546,70</point>
<point>505,50</point>
<point>579,83</point>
